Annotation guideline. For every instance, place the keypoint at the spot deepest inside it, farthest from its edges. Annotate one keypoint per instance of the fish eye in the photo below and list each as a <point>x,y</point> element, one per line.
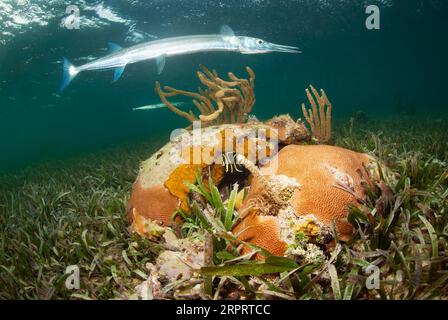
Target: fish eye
<point>259,42</point>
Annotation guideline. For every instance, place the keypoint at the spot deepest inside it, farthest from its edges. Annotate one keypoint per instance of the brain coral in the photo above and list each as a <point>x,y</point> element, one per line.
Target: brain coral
<point>329,178</point>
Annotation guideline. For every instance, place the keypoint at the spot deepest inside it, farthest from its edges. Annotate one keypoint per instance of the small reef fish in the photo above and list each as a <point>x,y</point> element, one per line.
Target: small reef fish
<point>158,106</point>
<point>160,49</point>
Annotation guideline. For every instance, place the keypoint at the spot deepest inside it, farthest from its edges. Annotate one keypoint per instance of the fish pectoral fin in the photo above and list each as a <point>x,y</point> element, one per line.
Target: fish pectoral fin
<point>160,63</point>
<point>114,47</point>
<point>118,72</point>
<point>226,31</point>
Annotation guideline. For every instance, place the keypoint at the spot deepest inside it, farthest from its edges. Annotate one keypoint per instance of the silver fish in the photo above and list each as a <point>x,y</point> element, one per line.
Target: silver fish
<point>160,49</point>
<point>158,106</point>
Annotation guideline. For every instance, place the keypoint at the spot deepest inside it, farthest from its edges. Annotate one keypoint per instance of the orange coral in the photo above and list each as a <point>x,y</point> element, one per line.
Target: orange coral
<point>262,231</point>
<point>330,179</point>
<point>138,222</point>
<point>159,186</point>
<point>158,203</point>
<point>146,227</point>
<point>155,203</point>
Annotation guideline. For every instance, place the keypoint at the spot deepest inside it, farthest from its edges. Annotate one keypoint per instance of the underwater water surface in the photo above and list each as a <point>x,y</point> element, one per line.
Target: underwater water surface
<point>399,69</point>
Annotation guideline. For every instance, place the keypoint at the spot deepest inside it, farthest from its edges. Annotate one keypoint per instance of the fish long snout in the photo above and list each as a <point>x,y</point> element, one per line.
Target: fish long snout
<point>281,48</point>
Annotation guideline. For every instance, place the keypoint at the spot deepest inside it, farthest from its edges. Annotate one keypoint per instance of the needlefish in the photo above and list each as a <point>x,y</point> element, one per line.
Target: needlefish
<point>159,50</point>
<point>158,106</point>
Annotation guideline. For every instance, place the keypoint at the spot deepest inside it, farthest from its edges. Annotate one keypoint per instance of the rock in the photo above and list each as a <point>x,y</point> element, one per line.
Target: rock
<point>171,265</point>
<point>289,131</point>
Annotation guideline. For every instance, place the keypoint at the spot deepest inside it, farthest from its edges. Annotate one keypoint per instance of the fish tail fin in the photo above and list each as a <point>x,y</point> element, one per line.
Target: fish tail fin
<point>69,71</point>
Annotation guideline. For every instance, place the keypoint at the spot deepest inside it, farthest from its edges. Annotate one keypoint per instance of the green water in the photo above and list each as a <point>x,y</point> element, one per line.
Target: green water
<point>399,70</point>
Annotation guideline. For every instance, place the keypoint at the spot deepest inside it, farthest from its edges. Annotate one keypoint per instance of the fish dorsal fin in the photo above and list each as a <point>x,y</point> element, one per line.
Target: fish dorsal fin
<point>226,31</point>
<point>113,46</point>
<point>160,63</point>
<point>118,72</point>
